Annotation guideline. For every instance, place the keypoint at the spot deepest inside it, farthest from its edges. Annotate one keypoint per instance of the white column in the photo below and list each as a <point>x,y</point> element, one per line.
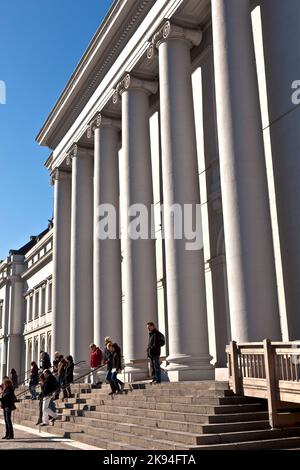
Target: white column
<point>282,58</point>
<point>189,357</point>
<point>81,282</point>
<point>61,263</point>
<point>247,225</point>
<point>107,252</point>
<point>139,255</point>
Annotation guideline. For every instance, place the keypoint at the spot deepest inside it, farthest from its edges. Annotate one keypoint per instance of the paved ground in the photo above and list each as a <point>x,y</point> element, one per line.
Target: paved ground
<point>34,440</point>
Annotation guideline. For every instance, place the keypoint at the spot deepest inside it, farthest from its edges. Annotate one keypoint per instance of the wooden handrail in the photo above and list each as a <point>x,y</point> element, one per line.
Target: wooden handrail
<point>269,370</point>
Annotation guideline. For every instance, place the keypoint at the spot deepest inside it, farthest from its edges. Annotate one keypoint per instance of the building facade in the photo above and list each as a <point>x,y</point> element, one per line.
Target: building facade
<point>26,304</point>
<point>178,103</point>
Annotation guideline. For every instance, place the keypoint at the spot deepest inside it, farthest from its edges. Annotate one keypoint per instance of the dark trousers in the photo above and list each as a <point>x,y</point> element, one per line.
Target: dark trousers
<point>155,364</point>
<point>8,424</point>
<point>112,379</point>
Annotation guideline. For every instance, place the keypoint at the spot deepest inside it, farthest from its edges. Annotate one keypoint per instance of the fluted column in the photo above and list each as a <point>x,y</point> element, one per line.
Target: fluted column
<point>139,254</point>
<point>81,282</point>
<point>61,262</point>
<point>189,357</point>
<point>247,225</point>
<point>107,247</point>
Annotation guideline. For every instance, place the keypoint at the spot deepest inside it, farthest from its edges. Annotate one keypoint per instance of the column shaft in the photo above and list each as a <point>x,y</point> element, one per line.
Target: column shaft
<point>81,281</point>
<point>107,252</point>
<point>61,263</point>
<point>282,70</point>
<point>187,317</point>
<point>247,224</point>
<point>139,255</point>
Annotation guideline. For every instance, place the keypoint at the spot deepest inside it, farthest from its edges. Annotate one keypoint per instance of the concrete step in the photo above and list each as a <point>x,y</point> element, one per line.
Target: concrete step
<point>282,443</point>
<point>247,436</point>
<point>194,428</point>
<point>142,401</point>
<point>187,434</point>
<point>84,438</point>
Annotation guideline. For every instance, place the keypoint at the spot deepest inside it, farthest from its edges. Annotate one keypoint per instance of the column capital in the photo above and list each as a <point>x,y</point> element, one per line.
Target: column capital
<point>129,81</point>
<point>170,30</point>
<point>77,150</point>
<point>100,120</point>
<point>59,174</point>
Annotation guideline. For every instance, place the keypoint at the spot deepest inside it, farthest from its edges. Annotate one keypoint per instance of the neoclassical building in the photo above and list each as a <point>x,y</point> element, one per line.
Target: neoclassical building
<point>181,102</point>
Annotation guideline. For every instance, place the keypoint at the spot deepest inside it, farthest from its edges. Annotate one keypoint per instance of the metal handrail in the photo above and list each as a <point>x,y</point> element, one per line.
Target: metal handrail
<point>28,389</point>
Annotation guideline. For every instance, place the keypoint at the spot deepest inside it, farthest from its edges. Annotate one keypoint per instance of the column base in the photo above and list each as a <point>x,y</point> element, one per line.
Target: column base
<point>136,370</point>
<point>185,368</point>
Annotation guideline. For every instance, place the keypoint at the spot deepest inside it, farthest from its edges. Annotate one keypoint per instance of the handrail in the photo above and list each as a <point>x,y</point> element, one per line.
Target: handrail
<point>269,370</point>
<point>28,389</point>
<point>77,379</point>
<point>23,375</point>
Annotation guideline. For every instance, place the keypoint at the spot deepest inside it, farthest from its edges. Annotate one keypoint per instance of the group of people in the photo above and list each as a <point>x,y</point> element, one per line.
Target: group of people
<point>62,376</point>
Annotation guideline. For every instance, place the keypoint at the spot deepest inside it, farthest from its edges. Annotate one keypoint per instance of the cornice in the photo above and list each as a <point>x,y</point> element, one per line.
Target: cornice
<point>112,36</point>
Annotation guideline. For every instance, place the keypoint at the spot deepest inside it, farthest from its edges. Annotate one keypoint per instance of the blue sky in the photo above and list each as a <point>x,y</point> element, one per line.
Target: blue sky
<point>41,43</point>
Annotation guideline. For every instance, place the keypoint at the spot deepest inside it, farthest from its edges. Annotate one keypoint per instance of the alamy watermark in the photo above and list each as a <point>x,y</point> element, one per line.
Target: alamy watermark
<point>178,222</point>
<point>2,92</point>
<point>295,97</point>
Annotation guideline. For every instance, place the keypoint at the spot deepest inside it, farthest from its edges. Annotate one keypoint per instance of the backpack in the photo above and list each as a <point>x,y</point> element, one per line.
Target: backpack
<point>161,339</point>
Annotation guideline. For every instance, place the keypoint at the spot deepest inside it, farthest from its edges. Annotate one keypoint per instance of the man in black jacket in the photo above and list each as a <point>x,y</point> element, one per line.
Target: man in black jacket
<point>153,351</point>
<point>49,387</point>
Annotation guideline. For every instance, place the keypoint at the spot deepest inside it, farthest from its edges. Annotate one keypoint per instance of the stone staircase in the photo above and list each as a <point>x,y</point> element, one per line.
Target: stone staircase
<point>170,416</point>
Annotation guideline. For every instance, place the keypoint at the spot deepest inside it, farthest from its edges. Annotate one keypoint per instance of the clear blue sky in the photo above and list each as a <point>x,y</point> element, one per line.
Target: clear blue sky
<point>41,43</point>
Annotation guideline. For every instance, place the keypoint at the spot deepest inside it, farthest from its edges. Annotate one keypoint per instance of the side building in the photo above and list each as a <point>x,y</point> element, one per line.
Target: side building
<point>26,303</point>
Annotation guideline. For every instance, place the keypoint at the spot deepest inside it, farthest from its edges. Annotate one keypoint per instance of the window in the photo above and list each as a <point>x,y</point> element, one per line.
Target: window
<point>30,308</point>
<point>43,300</point>
<point>36,304</point>
<point>1,312</point>
<point>50,297</point>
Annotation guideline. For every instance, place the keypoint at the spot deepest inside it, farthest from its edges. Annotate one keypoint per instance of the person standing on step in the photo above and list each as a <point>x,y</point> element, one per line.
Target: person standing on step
<point>8,400</point>
<point>45,362</point>
<point>61,372</point>
<point>50,387</point>
<point>33,379</point>
<point>116,362</point>
<point>69,377</point>
<point>96,361</point>
<point>14,378</point>
<point>156,341</point>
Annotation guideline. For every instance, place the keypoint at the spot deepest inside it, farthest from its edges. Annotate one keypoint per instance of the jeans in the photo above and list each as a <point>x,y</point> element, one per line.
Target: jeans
<point>8,424</point>
<point>47,411</point>
<point>112,379</point>
<point>156,372</point>
<point>32,391</point>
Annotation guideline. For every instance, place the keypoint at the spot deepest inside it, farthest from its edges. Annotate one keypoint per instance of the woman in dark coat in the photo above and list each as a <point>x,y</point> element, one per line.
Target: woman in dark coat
<point>116,364</point>
<point>8,405</point>
<point>33,379</point>
<point>14,378</point>
<point>69,377</point>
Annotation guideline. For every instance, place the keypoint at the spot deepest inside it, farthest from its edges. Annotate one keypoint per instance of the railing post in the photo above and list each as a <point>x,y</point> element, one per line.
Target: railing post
<point>269,354</point>
<point>236,381</point>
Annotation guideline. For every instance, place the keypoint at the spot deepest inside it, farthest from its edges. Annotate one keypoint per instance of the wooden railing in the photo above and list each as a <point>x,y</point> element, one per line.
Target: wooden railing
<point>269,370</point>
